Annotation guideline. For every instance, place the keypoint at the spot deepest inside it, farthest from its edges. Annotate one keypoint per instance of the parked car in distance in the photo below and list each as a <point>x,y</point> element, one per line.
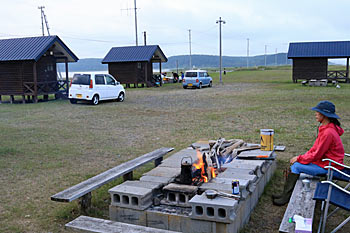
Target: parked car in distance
<point>94,88</point>
<point>196,79</point>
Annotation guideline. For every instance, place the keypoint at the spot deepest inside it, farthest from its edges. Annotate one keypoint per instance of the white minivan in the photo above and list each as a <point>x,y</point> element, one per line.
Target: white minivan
<point>94,88</point>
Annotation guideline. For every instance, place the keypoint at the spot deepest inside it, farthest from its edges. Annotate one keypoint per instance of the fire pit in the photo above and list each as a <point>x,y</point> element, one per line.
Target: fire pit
<point>172,195</point>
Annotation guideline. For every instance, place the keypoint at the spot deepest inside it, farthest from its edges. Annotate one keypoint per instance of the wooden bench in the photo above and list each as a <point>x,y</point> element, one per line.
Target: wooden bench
<point>84,188</point>
<point>300,203</point>
<point>89,224</point>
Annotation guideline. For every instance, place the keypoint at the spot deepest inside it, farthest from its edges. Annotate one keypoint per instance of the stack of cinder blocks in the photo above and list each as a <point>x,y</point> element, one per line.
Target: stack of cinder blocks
<point>132,200</point>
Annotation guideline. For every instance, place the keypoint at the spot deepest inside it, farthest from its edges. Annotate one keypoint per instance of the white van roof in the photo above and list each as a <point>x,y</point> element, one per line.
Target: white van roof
<point>196,71</point>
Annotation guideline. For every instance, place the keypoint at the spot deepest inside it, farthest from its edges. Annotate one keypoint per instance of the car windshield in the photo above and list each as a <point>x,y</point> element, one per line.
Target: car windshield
<point>81,79</point>
<point>191,74</point>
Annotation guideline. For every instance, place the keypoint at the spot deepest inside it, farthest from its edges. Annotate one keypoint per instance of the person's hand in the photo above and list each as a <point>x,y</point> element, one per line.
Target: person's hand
<point>293,160</point>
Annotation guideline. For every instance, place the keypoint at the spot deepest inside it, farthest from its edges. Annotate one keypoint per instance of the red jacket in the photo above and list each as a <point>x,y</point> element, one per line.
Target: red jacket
<point>327,145</point>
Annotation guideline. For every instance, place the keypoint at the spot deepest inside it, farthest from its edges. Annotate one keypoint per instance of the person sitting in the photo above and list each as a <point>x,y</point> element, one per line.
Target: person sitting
<point>327,145</point>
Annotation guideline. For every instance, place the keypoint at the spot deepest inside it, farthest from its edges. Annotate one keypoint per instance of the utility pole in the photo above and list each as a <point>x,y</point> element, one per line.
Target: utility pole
<point>276,57</point>
<point>189,36</point>
<point>177,66</point>
<point>144,37</point>
<point>43,17</point>
<point>265,54</point>
<point>135,10</point>
<point>247,53</point>
<point>135,22</point>
<point>220,45</point>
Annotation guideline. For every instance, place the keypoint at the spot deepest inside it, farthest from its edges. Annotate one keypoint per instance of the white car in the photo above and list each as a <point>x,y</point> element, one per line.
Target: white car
<point>94,88</point>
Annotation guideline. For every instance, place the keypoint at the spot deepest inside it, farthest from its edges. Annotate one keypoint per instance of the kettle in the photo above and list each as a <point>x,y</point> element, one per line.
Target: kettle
<point>186,170</point>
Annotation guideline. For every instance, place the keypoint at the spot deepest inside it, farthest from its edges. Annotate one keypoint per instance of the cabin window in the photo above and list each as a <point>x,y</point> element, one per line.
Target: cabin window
<point>139,65</point>
<point>49,67</point>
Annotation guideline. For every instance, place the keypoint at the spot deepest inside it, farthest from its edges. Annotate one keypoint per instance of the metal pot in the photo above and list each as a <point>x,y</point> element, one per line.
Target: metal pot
<point>186,170</point>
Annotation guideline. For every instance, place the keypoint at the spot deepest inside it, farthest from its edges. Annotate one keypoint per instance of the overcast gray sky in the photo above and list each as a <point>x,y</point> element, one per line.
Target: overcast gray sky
<point>91,27</point>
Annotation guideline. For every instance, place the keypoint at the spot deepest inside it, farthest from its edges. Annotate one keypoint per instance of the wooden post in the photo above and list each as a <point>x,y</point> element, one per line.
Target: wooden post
<point>46,97</point>
<point>160,67</point>
<point>35,75</point>
<point>160,72</point>
<point>23,99</point>
<point>158,161</point>
<point>67,79</point>
<point>347,69</point>
<point>128,176</point>
<point>0,100</point>
<point>85,203</point>
<point>12,99</point>
<point>28,98</point>
<point>146,73</point>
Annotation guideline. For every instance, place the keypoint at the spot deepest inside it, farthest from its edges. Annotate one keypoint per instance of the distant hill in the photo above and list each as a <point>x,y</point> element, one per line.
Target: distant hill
<point>209,61</point>
<point>85,64</point>
<point>183,61</point>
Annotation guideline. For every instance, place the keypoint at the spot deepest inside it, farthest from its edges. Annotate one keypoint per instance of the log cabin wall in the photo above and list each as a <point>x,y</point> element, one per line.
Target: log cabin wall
<point>12,76</point>
<point>46,69</point>
<point>309,68</point>
<point>130,72</point>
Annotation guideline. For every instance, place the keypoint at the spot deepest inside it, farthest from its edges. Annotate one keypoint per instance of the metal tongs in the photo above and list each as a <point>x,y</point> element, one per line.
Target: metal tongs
<point>211,194</point>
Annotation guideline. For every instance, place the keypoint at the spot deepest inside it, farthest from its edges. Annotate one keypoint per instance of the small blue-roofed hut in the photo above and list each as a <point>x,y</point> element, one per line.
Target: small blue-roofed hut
<point>310,60</point>
<point>134,64</point>
<point>28,67</point>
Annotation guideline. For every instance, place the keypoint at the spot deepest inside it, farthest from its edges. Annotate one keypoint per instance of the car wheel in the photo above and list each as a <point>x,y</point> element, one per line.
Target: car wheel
<point>185,87</point>
<point>95,100</point>
<point>210,84</point>
<point>200,86</point>
<point>73,101</point>
<point>121,97</point>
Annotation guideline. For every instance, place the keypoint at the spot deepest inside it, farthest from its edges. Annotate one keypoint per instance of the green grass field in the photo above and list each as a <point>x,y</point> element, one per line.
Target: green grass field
<point>50,146</point>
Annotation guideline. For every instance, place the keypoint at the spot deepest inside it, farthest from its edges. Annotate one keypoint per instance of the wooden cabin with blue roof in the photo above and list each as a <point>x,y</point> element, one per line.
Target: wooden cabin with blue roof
<point>310,60</point>
<point>28,67</point>
<point>134,64</point>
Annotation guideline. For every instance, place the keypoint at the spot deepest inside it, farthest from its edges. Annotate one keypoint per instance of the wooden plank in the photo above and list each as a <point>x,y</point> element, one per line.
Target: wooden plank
<point>89,224</point>
<point>300,203</point>
<point>97,181</point>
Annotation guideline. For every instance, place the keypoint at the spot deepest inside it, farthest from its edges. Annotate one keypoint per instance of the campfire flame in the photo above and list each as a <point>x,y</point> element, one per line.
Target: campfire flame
<point>200,165</point>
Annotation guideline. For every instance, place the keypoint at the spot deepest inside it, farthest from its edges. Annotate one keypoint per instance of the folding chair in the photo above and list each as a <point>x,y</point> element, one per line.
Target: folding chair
<point>331,193</point>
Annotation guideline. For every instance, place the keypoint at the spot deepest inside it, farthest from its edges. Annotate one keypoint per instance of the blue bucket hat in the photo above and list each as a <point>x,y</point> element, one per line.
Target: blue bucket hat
<point>326,108</point>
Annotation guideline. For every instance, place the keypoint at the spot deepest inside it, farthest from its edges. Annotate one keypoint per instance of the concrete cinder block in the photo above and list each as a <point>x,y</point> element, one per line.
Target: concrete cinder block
<point>155,186</point>
<point>174,160</point>
<point>218,209</point>
<point>178,194</point>
<point>178,222</point>
<point>160,171</point>
<point>226,228</point>
<point>157,219</point>
<point>200,226</point>
<point>251,167</point>
<point>225,185</point>
<point>244,211</point>
<point>237,174</point>
<point>131,197</point>
<point>120,214</point>
<point>158,179</point>
<point>254,199</point>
